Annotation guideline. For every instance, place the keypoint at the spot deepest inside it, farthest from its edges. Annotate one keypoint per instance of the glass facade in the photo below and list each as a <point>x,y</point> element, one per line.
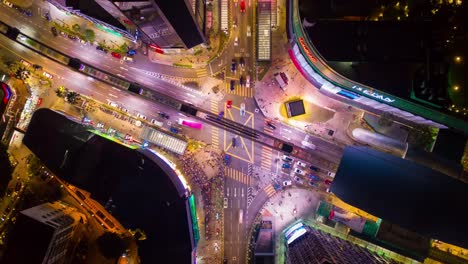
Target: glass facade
<point>264,30</point>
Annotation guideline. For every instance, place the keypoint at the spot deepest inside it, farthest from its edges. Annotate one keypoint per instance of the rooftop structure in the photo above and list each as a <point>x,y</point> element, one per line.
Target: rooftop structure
<point>42,234</point>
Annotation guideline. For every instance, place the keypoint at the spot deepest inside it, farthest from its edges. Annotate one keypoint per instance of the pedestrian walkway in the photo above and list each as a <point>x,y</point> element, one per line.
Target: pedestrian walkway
<point>214,136</point>
<point>239,90</point>
<point>201,72</point>
<point>266,158</point>
<point>237,175</point>
<point>269,190</point>
<point>268,130</point>
<point>214,106</point>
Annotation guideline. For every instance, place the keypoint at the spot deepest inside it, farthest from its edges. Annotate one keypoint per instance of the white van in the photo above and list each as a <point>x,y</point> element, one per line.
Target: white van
<point>241,215</point>
<point>156,122</point>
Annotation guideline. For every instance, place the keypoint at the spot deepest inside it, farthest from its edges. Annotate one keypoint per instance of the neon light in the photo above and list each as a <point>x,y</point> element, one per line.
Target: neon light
<point>298,233</point>
<point>373,94</point>
<point>6,90</point>
<point>307,51</point>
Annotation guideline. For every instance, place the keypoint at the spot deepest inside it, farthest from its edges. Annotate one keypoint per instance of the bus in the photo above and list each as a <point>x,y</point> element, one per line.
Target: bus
<point>190,124</point>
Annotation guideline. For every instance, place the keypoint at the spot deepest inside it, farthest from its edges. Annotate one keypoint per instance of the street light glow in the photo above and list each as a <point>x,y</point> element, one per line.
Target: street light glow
<point>458,59</point>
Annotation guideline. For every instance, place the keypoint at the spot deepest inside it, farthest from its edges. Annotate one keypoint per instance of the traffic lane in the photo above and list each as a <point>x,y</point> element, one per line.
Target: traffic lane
<point>39,28</point>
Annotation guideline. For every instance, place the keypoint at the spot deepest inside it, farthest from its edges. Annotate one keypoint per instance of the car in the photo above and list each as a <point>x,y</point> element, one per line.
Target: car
<point>242,6</point>
<point>72,37</point>
<point>116,55</point>
<point>26,63</point>
<point>174,130</point>
<point>287,183</point>
<point>63,34</point>
<point>328,182</point>
<point>299,171</point>
<point>47,16</point>
<point>313,184</point>
<point>249,32</point>
<point>233,65</point>
<point>242,109</point>
<point>131,52</point>
<point>123,109</point>
<point>234,142</point>
<point>141,116</point>
<point>8,3</point>
<point>301,164</point>
<point>270,125</point>
<point>236,41</point>
<point>113,104</point>
<point>228,104</point>
<point>314,168</point>
<point>100,125</point>
<point>331,174</point>
<point>225,202</point>
<point>54,31</point>
<point>26,12</point>
<point>287,158</point>
<point>232,85</point>
<point>84,42</point>
<point>138,123</point>
<point>156,122</point>
<point>101,49</point>
<point>227,159</point>
<point>247,81</point>
<point>314,177</point>
<point>242,80</point>
<point>220,115</point>
<point>242,62</point>
<point>163,115</point>
<point>298,180</point>
<point>128,137</point>
<point>286,166</point>
<point>48,75</point>
<point>128,59</point>
<point>22,37</point>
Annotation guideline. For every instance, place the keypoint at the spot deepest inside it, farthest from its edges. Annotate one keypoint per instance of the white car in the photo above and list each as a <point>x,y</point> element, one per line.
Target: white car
<point>48,75</point>
<point>247,81</point>
<point>287,183</point>
<point>22,38</point>
<point>128,59</point>
<point>113,104</point>
<point>236,41</point>
<point>299,180</point>
<point>249,33</point>
<point>100,125</point>
<point>242,109</point>
<point>301,164</point>
<point>287,158</point>
<point>156,122</point>
<point>331,174</point>
<point>141,116</point>
<point>299,171</point>
<point>225,202</point>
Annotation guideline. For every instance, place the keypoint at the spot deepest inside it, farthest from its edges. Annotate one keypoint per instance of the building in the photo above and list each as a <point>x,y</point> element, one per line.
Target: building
<point>167,24</point>
<point>42,234</point>
<point>315,246</point>
<point>147,190</point>
<point>264,30</point>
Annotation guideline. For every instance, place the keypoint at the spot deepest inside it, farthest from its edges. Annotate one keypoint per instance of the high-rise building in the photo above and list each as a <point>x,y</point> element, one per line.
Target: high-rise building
<point>42,234</point>
<point>167,24</point>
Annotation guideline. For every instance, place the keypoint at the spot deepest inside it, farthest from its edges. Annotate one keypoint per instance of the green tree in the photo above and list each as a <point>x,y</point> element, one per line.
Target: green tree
<point>76,27</point>
<point>72,97</point>
<point>422,136</point>
<point>111,245</point>
<point>90,35</point>
<point>6,169</point>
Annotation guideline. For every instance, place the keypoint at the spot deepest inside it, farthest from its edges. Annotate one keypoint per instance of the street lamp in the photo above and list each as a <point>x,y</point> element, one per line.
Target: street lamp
<point>458,59</point>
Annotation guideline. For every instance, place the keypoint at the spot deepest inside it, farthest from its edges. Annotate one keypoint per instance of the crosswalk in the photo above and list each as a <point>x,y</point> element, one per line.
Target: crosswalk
<point>237,175</point>
<point>201,72</point>
<point>239,90</point>
<point>269,190</point>
<point>250,196</point>
<point>268,130</point>
<point>266,158</point>
<point>214,106</point>
<point>214,130</point>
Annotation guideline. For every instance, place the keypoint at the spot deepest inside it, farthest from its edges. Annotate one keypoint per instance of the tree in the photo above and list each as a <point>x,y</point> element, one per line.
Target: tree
<point>22,73</point>
<point>71,97</point>
<point>76,27</point>
<point>6,169</point>
<point>90,35</point>
<point>422,136</point>
<point>111,245</point>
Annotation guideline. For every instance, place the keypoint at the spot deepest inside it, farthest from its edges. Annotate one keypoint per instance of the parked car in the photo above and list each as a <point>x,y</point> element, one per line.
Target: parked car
<point>141,116</point>
<point>299,180</point>
<point>54,31</point>
<point>299,171</point>
<point>286,166</point>
<point>163,115</point>
<point>301,164</point>
<point>234,142</point>
<point>48,75</point>
<point>101,49</point>
<point>314,168</point>
<point>128,59</point>
<point>313,184</point>
<point>242,62</point>
<point>242,109</point>
<point>113,104</point>
<point>328,182</point>
<point>116,55</point>
<point>287,158</point>
<point>331,174</point>
<point>287,183</point>
<point>314,177</point>
<point>247,81</point>
<point>174,130</point>
<point>72,37</point>
<point>64,34</point>
<point>225,202</point>
<point>270,125</point>
<point>131,52</point>
<point>228,104</point>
